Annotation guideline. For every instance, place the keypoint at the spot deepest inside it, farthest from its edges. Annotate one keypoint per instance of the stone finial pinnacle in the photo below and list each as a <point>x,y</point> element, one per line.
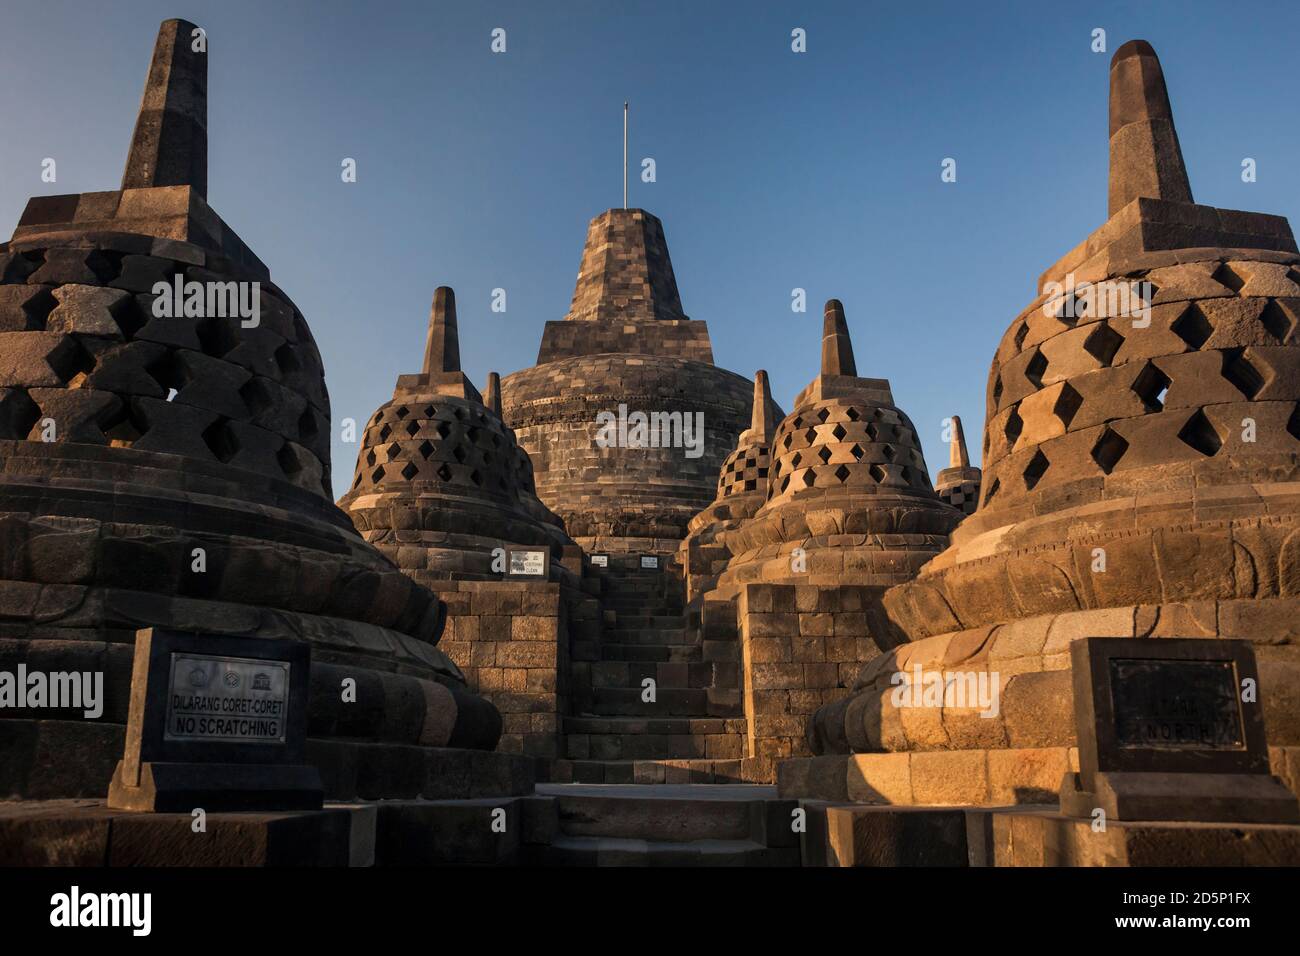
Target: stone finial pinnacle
<point>761,422</point>
<point>1145,158</point>
<point>837,350</point>
<point>170,144</point>
<point>494,394</point>
<point>442,348</point>
<point>958,457</point>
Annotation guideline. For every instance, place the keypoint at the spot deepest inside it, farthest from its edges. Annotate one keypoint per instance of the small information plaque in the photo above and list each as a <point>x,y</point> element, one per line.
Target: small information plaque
<point>600,560</point>
<point>217,722</point>
<point>649,561</point>
<point>528,564</point>
<point>227,698</point>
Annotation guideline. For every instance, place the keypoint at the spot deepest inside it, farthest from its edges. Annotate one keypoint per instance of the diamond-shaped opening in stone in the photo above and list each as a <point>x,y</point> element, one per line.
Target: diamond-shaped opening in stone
<point>809,479</point>
<point>823,414</point>
<point>71,361</point>
<point>1199,433</point>
<point>1012,429</point>
<point>217,335</point>
<point>785,483</point>
<point>877,473</point>
<point>170,373</point>
<point>1109,449</point>
<point>991,490</point>
<point>476,477</point>
<point>1151,385</point>
<point>393,451</point>
<point>370,458</point>
<point>443,429</point>
<point>403,411</point>
<point>852,414</point>
<point>824,454</point>
<point>1275,321</point>
<point>459,412</point>
<point>286,360</point>
<point>857,451</point>
<point>425,449</point>
<point>872,431</point>
<point>385,432</point>
<point>1192,326</point>
<point>1036,368</point>
<point>308,428</point>
<point>1102,343</point>
<point>259,394</point>
<point>1072,307</point>
<point>798,422</point>
<point>1227,276</point>
<point>838,432</point>
<point>795,459</point>
<point>443,472</point>
<point>888,452</point>
<point>377,475</point>
<point>412,428</point>
<point>1238,370</point>
<point>1293,423</point>
<point>810,435</point>
<point>1067,404</point>
<point>123,427</point>
<point>997,390</point>
<point>1035,470</point>
<point>221,440</point>
<point>789,439</point>
<point>487,457</point>
<point>459,454</point>
<point>287,458</point>
<point>1020,335</point>
<point>409,471</point>
<point>428,411</point>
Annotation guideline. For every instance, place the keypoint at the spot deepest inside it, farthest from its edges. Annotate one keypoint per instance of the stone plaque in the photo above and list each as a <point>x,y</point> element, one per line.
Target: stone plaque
<point>649,561</point>
<point>600,560</point>
<point>1167,732</point>
<point>528,564</point>
<point>217,722</point>
<point>227,698</point>
<point>1178,704</point>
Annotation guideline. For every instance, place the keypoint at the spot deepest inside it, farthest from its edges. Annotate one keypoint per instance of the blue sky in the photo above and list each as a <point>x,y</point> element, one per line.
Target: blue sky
<point>775,170</point>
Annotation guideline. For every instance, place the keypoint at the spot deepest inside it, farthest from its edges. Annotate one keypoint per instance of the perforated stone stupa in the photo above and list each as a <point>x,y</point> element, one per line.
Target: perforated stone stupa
<point>1140,480</point>
<point>133,445</point>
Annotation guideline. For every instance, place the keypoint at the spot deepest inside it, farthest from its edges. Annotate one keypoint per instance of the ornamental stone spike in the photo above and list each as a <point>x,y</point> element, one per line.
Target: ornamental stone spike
<point>442,348</point>
<point>1145,159</point>
<point>494,394</point>
<point>957,454</point>
<point>170,144</point>
<point>761,423</point>
<point>837,350</point>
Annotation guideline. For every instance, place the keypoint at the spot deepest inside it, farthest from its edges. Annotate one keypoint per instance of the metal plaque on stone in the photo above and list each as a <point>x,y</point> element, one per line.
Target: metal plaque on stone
<point>600,560</point>
<point>533,563</point>
<point>216,722</point>
<point>649,561</point>
<point>1171,729</point>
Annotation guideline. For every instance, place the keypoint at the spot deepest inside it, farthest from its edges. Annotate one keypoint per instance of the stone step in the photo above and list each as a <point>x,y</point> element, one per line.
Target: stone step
<point>675,653</point>
<point>635,747</point>
<point>649,636</point>
<point>668,702</point>
<point>643,620</point>
<point>648,816</point>
<point>612,851</point>
<point>666,674</point>
<point>660,770</point>
<point>654,725</point>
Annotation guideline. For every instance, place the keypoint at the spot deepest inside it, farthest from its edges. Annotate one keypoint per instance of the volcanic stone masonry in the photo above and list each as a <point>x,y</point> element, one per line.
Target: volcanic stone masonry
<point>130,443</point>
<point>1140,480</point>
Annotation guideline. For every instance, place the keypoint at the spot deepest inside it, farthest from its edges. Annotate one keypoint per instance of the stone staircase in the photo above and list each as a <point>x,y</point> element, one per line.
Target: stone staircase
<point>663,826</point>
<point>691,732</point>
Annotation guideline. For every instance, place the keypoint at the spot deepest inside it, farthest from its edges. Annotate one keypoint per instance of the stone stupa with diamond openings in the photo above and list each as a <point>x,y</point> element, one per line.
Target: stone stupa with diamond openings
<point>441,482</point>
<point>1141,479</point>
<point>959,483</point>
<point>848,498</point>
<point>130,440</point>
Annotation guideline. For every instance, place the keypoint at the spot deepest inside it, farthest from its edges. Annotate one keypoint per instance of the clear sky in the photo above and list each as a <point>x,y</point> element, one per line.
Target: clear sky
<point>775,170</point>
